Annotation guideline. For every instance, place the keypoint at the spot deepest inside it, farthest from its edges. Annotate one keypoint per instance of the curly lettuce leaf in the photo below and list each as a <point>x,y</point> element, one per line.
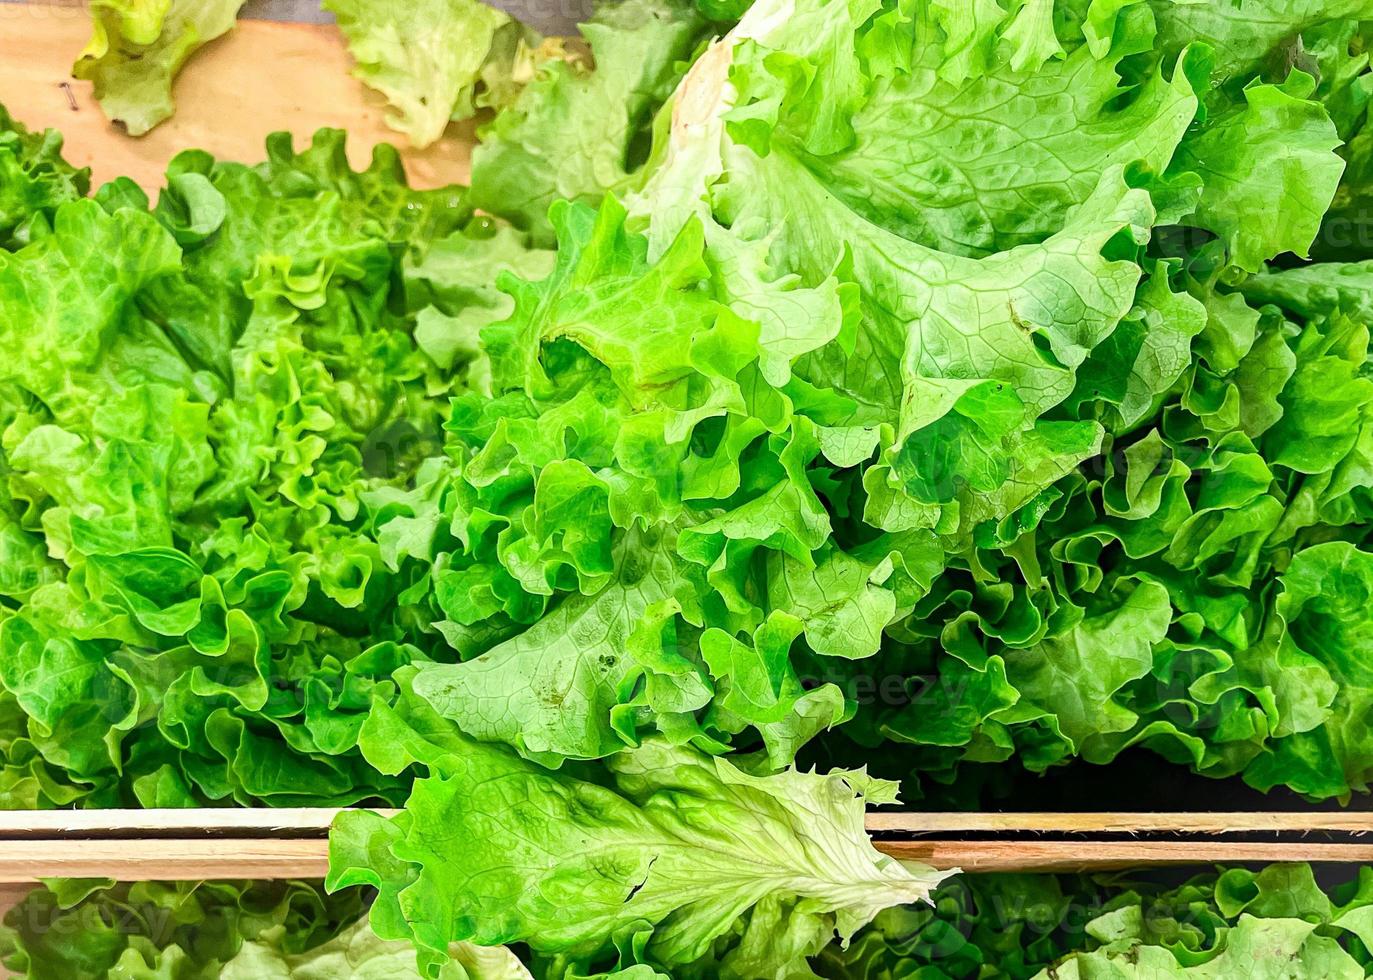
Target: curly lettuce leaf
<point>1316,290</point>
<point>572,132</point>
<point>1256,471</point>
<point>96,928</point>
<point>453,286</point>
<point>34,180</point>
<point>660,860</point>
<point>430,60</point>
<point>551,690</point>
<point>976,309</point>
<point>195,610</point>
<point>137,48</point>
<point>1113,429</point>
<point>1243,36</point>
<point>1273,157</point>
<point>1325,594</point>
<point>357,952</point>
<point>664,564</point>
<point>1276,921</point>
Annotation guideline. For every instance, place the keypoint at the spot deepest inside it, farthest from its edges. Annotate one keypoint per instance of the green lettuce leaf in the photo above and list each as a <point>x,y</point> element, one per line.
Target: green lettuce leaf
<point>1243,36</point>
<point>137,48</point>
<point>660,860</point>
<point>357,952</point>
<point>1273,922</point>
<point>1055,376</point>
<point>187,930</point>
<point>94,928</point>
<point>1291,179</point>
<point>195,610</point>
<point>978,300</point>
<point>573,133</point>
<point>432,61</point>
<point>664,565</point>
<point>1254,948</point>
<point>1326,590</point>
<point>1257,470</point>
<point>1316,290</point>
<point>34,180</point>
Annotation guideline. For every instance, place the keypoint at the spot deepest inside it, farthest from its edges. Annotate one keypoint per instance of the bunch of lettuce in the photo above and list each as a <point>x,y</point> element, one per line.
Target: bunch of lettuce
<point>662,859</point>
<point>237,433</point>
<point>1093,474</point>
<point>909,350</point>
<point>1275,922</point>
<point>289,930</point>
<point>966,344</point>
<point>194,399</point>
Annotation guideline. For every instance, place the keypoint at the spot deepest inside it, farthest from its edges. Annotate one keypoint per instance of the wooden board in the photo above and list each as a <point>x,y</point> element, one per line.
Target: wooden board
<point>257,79</point>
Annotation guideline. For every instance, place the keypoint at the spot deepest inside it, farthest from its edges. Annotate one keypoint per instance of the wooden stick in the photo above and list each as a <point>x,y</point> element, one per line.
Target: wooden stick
<point>1101,823</point>
<point>163,860</point>
<point>266,820</point>
<point>986,856</point>
<point>220,858</point>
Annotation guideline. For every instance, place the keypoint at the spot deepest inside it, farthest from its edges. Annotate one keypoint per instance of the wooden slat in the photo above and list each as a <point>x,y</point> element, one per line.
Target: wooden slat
<point>987,856</point>
<point>220,858</point>
<point>1102,823</point>
<point>190,845</point>
<point>259,78</point>
<point>230,820</point>
<point>163,860</point>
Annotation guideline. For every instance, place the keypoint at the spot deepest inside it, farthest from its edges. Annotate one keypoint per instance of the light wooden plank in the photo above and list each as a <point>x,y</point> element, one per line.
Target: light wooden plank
<point>230,820</point>
<point>1100,823</point>
<point>989,856</point>
<point>259,78</point>
<point>163,860</point>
